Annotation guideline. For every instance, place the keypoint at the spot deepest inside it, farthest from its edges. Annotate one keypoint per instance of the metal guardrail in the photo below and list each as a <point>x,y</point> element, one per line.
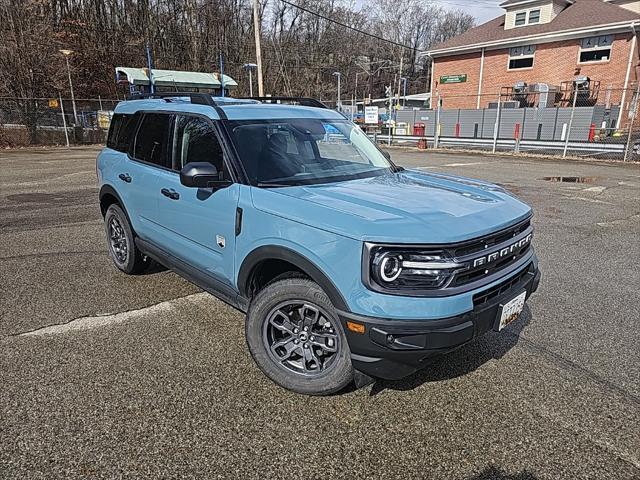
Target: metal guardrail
<point>592,147</point>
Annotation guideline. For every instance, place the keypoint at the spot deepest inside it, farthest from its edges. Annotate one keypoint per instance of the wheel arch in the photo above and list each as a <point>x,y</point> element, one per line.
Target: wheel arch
<point>270,253</point>
<point>108,196</point>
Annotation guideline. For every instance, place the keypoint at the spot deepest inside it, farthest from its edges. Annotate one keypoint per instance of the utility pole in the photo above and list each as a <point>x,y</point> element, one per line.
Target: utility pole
<point>256,31</point>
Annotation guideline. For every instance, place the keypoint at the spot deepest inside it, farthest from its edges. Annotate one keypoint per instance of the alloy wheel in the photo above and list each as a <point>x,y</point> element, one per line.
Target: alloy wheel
<point>301,337</point>
<point>118,240</point>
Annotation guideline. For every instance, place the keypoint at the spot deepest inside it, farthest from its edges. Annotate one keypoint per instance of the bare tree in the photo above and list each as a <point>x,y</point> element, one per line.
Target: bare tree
<point>301,49</point>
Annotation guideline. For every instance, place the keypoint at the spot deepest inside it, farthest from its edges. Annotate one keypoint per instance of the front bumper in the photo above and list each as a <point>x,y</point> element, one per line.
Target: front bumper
<point>393,349</point>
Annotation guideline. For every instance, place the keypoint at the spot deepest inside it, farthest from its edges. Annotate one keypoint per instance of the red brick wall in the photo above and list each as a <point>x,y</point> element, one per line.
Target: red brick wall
<point>455,95</point>
<point>554,63</point>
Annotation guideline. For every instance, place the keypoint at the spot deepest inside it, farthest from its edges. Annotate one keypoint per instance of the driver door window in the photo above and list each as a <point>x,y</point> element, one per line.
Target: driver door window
<point>197,141</point>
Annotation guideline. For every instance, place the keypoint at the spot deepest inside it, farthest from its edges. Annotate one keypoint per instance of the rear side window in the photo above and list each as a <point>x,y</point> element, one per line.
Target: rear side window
<point>152,139</point>
<point>121,131</point>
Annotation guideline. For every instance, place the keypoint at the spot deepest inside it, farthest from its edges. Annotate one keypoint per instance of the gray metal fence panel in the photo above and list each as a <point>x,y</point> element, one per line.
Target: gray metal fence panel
<point>471,123</point>
<point>508,119</point>
<point>448,120</point>
<point>489,122</point>
<point>428,117</point>
<point>539,123</point>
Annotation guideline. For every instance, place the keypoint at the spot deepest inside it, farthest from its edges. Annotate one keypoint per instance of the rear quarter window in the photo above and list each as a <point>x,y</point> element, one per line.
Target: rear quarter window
<point>152,139</point>
<point>121,131</point>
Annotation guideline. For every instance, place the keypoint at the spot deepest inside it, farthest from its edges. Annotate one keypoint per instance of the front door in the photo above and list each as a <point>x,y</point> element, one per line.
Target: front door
<point>198,224</point>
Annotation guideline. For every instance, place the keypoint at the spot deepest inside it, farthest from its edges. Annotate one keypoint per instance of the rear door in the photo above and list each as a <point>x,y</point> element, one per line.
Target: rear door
<point>198,224</point>
<point>149,154</point>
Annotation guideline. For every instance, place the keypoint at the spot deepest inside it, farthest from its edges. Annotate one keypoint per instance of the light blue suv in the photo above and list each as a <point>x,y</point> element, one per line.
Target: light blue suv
<point>348,267</point>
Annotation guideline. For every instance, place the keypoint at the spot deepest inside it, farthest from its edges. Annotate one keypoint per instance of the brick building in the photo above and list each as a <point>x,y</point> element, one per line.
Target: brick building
<point>542,42</point>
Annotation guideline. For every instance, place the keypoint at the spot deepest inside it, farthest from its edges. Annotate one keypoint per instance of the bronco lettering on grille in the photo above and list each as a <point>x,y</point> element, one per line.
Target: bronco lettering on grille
<point>492,257</point>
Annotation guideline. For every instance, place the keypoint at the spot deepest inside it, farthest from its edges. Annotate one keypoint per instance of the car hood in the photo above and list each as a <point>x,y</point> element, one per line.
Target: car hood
<point>404,207</point>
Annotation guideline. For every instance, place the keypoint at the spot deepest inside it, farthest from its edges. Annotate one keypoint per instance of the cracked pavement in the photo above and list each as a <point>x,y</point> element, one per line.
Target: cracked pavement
<point>108,376</point>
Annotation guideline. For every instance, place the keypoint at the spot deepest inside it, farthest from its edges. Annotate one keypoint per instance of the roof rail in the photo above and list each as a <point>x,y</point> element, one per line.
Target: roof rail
<point>304,101</point>
<point>199,98</point>
<point>195,97</point>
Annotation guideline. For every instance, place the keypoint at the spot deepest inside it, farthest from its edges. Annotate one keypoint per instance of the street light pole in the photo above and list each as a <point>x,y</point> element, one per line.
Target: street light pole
<point>66,54</point>
<point>338,103</point>
<point>250,67</point>
<point>404,91</point>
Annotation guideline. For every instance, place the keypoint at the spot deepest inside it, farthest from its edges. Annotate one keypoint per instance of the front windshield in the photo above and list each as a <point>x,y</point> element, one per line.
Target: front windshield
<point>300,151</point>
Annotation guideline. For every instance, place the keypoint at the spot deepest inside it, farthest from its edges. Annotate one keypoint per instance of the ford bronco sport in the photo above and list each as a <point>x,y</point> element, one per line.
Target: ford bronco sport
<point>347,266</point>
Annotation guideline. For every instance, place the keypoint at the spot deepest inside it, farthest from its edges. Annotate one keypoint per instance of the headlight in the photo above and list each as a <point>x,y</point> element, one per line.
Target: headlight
<point>394,268</point>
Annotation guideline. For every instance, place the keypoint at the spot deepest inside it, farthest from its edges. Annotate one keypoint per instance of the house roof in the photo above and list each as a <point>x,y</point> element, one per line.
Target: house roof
<point>579,15</point>
<point>174,78</point>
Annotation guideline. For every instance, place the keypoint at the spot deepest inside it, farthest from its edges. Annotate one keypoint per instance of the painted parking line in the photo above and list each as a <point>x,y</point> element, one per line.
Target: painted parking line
<point>97,321</point>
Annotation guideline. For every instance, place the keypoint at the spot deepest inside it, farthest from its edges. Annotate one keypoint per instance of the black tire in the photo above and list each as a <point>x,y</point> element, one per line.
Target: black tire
<point>336,371</point>
<point>132,261</point>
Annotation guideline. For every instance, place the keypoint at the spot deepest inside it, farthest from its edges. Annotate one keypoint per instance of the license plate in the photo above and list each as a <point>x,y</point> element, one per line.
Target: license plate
<point>511,310</point>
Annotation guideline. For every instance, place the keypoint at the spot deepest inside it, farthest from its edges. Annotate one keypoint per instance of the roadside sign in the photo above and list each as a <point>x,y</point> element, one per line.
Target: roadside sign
<point>459,78</point>
<point>371,115</point>
<point>104,118</point>
<point>53,103</point>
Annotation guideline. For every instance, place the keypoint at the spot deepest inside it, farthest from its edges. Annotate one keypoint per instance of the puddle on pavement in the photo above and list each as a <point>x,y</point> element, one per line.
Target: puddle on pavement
<point>571,179</point>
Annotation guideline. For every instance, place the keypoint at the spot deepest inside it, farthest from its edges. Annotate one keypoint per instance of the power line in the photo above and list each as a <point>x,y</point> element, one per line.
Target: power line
<point>348,26</point>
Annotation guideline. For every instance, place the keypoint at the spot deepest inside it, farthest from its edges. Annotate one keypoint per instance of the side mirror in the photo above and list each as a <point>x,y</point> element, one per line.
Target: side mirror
<point>201,175</point>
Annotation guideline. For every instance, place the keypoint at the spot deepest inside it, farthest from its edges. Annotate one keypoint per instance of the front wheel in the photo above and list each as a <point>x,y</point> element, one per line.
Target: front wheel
<point>296,339</point>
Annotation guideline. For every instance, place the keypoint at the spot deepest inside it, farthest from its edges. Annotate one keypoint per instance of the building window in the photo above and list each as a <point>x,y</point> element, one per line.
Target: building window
<point>521,18</point>
<point>534,16</point>
<point>596,49</point>
<point>521,57</point>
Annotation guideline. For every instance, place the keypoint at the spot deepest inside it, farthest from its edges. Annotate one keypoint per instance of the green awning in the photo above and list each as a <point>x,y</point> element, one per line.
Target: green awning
<point>173,78</point>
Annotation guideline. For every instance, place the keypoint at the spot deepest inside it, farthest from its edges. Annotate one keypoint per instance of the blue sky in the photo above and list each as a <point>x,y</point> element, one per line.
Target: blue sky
<point>483,10</point>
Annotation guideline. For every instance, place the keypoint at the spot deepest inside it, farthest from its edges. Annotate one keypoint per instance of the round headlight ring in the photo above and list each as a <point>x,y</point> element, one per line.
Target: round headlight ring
<point>390,267</point>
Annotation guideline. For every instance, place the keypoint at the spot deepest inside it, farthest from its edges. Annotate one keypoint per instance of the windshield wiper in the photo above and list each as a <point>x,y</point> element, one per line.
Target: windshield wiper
<point>275,185</point>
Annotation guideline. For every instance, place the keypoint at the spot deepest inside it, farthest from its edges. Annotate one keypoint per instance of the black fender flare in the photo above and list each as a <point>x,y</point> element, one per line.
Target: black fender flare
<point>277,252</point>
<point>107,189</point>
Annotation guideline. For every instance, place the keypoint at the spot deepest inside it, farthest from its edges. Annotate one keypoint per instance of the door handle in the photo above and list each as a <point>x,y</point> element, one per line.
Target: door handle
<point>170,193</point>
<point>125,177</point>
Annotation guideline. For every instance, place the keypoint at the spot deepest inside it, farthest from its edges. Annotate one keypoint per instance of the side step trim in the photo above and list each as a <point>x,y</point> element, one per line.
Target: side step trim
<point>210,284</point>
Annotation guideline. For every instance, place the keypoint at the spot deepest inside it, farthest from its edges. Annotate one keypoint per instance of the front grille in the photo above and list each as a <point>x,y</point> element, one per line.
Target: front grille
<point>491,243</point>
<point>497,290</point>
<point>480,244</point>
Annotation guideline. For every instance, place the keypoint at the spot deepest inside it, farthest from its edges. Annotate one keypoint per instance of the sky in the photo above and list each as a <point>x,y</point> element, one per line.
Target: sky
<point>482,10</point>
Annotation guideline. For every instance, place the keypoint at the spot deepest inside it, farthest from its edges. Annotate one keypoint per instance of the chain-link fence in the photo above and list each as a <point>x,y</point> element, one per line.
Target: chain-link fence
<point>575,119</point>
<point>54,121</point>
<point>578,120</point>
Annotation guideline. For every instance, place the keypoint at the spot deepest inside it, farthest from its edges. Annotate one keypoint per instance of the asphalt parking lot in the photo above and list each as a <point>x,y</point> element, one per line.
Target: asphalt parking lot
<point>108,376</point>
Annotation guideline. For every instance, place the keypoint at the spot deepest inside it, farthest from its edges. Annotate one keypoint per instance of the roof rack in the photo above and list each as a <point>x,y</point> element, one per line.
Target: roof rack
<point>198,98</point>
<point>304,101</point>
<point>195,97</point>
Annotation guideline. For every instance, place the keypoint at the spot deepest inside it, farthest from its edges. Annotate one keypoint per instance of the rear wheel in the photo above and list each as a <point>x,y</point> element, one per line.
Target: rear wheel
<point>122,248</point>
<point>296,339</point>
